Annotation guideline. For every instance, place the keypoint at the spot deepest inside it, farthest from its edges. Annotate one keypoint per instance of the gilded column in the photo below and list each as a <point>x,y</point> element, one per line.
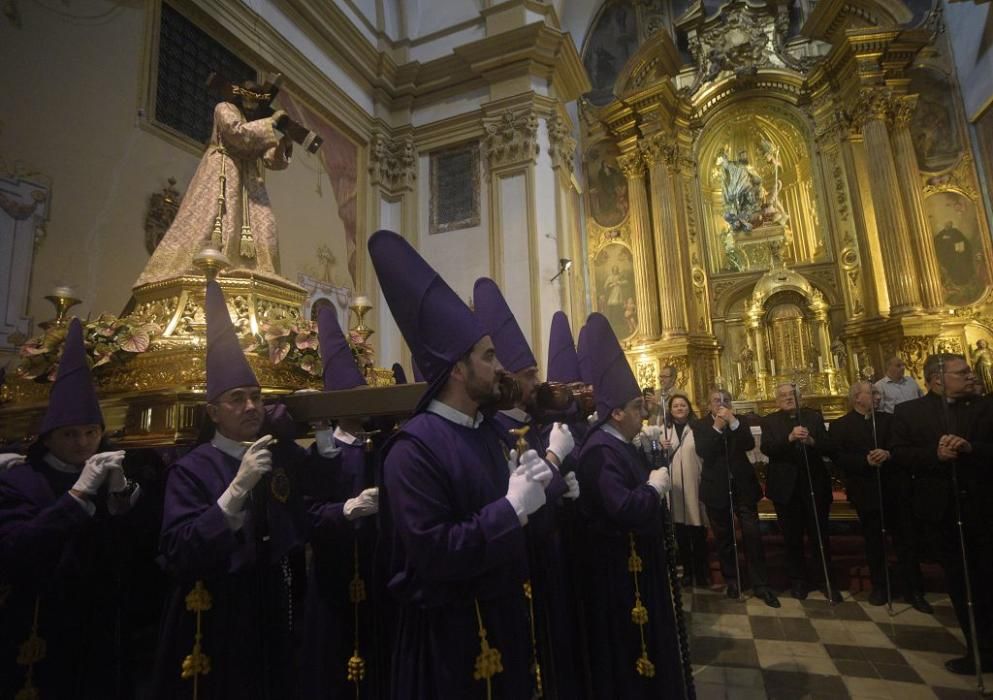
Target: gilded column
<point>662,157</point>
<point>913,201</point>
<point>871,114</point>
<point>641,245</point>
<point>819,306</point>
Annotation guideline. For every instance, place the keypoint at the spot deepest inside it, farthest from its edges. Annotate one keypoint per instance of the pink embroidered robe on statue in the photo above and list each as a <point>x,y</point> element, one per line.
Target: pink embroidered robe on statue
<point>248,146</point>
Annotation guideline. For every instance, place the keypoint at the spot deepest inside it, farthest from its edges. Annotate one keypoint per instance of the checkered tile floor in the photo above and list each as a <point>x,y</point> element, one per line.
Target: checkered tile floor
<point>805,649</point>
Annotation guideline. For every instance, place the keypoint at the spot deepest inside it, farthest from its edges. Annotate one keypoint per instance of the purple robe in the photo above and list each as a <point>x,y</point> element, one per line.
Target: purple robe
<point>616,500</point>
<point>456,541</point>
<point>75,567</point>
<point>329,626</point>
<point>255,583</point>
<point>553,598</point>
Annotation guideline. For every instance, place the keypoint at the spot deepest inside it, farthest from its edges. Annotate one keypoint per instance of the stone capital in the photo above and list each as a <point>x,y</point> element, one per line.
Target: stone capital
<point>903,110</point>
<point>561,143</point>
<point>392,162</point>
<point>511,138</point>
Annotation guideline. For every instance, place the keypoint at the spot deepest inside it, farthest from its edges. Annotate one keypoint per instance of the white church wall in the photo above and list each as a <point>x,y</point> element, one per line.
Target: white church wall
<point>387,340</point>
<point>516,262</point>
<point>968,29</point>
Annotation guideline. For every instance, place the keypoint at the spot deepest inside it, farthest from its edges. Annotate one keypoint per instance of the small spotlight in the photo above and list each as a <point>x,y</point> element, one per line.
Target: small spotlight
<point>565,264</point>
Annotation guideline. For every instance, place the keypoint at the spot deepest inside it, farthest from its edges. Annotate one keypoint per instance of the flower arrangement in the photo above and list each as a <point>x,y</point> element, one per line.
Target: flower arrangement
<point>108,341</point>
<point>295,342</point>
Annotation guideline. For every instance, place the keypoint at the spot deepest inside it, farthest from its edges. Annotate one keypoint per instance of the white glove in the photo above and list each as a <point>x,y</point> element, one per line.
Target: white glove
<point>256,462</point>
<point>524,494</point>
<point>324,439</point>
<point>659,480</point>
<point>96,469</point>
<point>366,503</point>
<point>512,462</point>
<point>116,481</point>
<point>651,433</point>
<point>593,418</point>
<point>560,441</point>
<point>10,459</point>
<point>536,468</point>
<point>573,483</point>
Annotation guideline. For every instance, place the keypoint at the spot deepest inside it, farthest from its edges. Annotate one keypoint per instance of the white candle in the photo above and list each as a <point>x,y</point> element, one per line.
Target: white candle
<point>738,369</point>
<point>820,363</point>
<point>772,367</point>
<point>756,368</point>
<point>63,291</point>
<point>360,301</point>
<point>836,364</point>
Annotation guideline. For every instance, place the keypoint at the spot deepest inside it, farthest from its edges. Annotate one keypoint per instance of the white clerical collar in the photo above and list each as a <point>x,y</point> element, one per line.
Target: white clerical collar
<point>60,466</point>
<point>613,432</point>
<point>344,436</point>
<point>454,415</point>
<point>517,414</point>
<point>232,448</point>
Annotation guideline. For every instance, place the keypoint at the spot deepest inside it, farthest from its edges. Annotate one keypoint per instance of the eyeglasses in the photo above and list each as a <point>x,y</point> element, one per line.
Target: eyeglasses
<point>961,372</point>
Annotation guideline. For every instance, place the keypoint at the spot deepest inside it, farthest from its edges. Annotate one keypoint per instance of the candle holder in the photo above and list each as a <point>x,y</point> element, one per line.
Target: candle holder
<point>360,308</point>
<point>210,261</point>
<point>62,299</point>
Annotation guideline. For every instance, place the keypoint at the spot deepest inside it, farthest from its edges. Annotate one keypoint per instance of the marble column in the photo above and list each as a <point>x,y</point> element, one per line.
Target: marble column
<point>871,113</point>
<point>641,246</point>
<point>905,157</point>
<point>661,157</point>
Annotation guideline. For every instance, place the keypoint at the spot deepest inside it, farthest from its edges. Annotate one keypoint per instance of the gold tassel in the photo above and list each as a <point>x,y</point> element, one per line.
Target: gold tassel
<point>489,662</point>
<point>247,248</point>
<point>639,613</point>
<point>357,594</point>
<point>196,663</point>
<point>31,651</point>
<point>217,234</point>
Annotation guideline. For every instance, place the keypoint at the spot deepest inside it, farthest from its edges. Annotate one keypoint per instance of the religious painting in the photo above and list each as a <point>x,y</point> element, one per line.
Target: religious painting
<point>612,41</point>
<point>613,273</point>
<point>606,185</point>
<point>935,125</point>
<point>955,228</point>
<point>454,201</point>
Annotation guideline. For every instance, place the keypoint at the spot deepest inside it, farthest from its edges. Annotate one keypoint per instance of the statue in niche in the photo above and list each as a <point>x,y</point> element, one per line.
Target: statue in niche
<point>982,360</point>
<point>741,189</point>
<point>772,209</point>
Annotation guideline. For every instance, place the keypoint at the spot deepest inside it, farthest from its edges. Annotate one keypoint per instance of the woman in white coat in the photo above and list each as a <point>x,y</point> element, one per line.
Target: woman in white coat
<point>688,513</point>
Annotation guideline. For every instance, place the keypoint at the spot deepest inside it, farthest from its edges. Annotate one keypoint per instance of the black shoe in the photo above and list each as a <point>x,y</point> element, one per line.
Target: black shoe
<point>835,594</point>
<point>966,666</point>
<point>768,597</point>
<point>918,603</point>
<point>877,597</point>
<point>732,592</point>
<point>799,590</point>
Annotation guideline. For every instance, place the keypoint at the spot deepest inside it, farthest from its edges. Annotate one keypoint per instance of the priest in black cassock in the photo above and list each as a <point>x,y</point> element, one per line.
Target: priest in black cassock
<point>457,505</point>
<point>861,442</point>
<point>927,439</point>
<point>552,603</point>
<point>64,526</point>
<point>233,531</point>
<point>792,439</point>
<point>631,615</point>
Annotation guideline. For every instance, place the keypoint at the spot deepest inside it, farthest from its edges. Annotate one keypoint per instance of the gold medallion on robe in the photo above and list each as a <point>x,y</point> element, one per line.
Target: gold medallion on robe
<point>279,485</point>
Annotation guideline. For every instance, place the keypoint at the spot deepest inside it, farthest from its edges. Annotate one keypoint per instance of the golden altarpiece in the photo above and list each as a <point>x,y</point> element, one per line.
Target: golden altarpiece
<point>781,192</point>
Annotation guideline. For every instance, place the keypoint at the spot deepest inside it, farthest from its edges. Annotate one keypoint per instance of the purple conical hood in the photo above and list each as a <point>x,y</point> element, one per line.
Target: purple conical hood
<point>340,370</point>
<point>563,362</point>
<point>498,321</point>
<point>438,326</point>
<point>399,376</point>
<point>613,381</point>
<point>227,367</point>
<point>418,377</point>
<point>73,400</point>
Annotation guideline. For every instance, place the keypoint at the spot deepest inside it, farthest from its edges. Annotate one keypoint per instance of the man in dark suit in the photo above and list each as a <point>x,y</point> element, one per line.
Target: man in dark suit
<point>721,439</point>
<point>936,442</point>
<point>861,440</point>
<point>794,439</point>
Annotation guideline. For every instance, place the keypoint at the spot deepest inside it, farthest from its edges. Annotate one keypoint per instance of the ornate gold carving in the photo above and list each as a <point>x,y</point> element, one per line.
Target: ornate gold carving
<point>632,165</point>
<point>561,143</point>
<point>392,163</point>
<point>914,349</point>
<point>960,179</point>
<point>660,149</point>
<point>877,104</point>
<point>646,372</point>
<point>511,138</point>
<point>903,110</point>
